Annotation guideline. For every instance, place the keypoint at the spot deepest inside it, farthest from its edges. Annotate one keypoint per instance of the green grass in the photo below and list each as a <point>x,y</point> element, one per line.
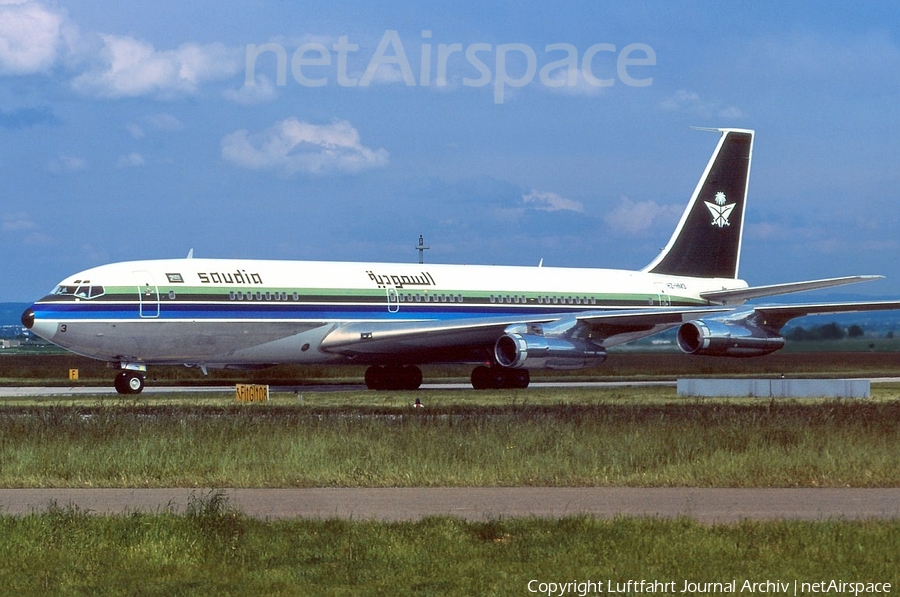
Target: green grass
<point>608,438</point>
<point>646,437</point>
<point>640,437</point>
<point>213,550</point>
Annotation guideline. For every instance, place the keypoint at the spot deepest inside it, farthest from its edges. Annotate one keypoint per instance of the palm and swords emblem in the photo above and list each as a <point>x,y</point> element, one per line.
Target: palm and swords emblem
<point>720,211</point>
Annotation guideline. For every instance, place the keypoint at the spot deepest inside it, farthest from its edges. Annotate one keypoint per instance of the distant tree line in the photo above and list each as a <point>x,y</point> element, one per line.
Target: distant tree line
<point>828,331</point>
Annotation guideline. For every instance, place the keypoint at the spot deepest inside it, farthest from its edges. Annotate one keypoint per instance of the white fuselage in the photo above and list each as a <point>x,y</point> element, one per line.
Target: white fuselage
<point>221,312</point>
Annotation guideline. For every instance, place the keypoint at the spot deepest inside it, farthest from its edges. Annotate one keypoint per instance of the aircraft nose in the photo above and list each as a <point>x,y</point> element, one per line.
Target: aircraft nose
<point>28,318</point>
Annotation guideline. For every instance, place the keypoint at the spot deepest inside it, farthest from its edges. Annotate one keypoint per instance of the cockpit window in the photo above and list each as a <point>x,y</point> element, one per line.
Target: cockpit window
<point>80,289</point>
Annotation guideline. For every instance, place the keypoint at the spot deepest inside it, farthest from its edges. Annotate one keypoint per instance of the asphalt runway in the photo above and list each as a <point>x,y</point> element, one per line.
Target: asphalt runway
<point>25,391</point>
<point>479,504</point>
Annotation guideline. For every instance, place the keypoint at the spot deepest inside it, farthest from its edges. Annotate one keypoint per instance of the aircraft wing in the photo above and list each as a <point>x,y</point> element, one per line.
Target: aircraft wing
<point>465,339</point>
<point>623,326</point>
<point>408,337</point>
<point>476,337</point>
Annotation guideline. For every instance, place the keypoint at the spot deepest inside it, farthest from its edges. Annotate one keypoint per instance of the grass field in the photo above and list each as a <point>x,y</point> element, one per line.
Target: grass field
<point>213,551</point>
<point>589,437</point>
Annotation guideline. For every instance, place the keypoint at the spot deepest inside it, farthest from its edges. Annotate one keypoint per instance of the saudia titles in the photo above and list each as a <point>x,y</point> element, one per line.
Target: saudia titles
<point>385,280</point>
<point>238,277</point>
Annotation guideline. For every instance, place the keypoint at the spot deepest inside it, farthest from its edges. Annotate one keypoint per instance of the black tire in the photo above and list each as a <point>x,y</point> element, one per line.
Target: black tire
<point>411,378</point>
<point>120,383</point>
<point>393,377</point>
<point>481,377</point>
<point>375,377</point>
<point>517,378</point>
<point>497,378</point>
<point>129,382</point>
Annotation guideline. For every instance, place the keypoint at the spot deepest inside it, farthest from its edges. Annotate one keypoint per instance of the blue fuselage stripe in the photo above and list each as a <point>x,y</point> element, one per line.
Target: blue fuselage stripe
<point>292,312</point>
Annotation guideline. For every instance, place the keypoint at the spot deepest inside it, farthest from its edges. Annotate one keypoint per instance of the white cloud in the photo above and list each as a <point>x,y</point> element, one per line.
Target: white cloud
<point>559,82</point>
<point>547,201</point>
<point>164,122</point>
<point>293,146</point>
<point>691,102</point>
<point>770,231</point>
<point>31,35</point>
<point>17,222</point>
<point>130,67</point>
<point>64,164</point>
<point>135,130</point>
<point>680,99</point>
<point>131,160</point>
<point>156,122</point>
<point>247,95</point>
<point>36,37</point>
<point>634,218</point>
<point>21,224</point>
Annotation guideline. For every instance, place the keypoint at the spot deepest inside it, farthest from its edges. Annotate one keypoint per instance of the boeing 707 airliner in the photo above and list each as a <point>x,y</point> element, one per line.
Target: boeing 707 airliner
<point>241,314</point>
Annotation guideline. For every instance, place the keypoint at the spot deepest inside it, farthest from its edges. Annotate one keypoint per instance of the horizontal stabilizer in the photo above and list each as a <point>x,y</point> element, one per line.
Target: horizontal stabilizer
<point>739,295</point>
<point>777,315</point>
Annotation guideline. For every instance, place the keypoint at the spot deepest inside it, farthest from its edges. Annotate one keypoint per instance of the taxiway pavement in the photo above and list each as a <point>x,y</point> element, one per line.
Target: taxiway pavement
<point>61,391</point>
<point>708,505</point>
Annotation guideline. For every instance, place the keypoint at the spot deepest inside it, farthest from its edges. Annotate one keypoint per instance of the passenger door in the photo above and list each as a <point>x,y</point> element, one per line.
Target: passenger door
<point>148,294</point>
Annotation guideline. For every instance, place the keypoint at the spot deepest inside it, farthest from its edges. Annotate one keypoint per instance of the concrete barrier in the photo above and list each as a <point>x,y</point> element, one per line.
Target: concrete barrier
<point>776,388</point>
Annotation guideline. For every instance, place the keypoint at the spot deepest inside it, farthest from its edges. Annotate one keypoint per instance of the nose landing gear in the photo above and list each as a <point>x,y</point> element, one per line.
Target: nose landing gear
<point>129,382</point>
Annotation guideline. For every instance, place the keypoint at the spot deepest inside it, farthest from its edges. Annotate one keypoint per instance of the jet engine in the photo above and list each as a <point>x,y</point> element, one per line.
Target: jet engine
<point>532,351</point>
<point>717,338</point>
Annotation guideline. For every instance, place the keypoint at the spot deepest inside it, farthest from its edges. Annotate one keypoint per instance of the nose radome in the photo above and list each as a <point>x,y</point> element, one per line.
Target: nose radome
<point>28,318</point>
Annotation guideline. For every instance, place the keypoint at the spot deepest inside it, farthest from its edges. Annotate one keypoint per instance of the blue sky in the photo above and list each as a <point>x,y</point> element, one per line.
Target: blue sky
<point>128,131</point>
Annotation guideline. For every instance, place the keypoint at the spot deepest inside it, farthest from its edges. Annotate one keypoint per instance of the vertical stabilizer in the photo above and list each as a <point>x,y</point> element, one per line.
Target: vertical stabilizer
<point>707,241</point>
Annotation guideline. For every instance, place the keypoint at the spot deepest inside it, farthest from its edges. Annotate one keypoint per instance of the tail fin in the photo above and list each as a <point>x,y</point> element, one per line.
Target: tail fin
<point>707,241</point>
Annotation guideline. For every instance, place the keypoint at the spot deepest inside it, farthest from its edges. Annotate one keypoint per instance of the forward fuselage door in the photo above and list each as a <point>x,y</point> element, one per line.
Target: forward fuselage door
<point>393,300</point>
<point>148,294</point>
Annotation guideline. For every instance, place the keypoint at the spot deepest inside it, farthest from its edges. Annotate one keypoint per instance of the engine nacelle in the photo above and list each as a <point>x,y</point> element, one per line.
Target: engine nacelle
<point>540,352</point>
<point>715,338</point>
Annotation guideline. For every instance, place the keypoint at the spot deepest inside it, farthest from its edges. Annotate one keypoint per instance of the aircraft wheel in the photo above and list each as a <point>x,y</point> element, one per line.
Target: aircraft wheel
<point>411,378</point>
<point>128,382</point>
<point>481,377</point>
<point>496,378</point>
<point>488,378</point>
<point>119,383</point>
<point>393,377</point>
<point>375,378</point>
<point>517,378</point>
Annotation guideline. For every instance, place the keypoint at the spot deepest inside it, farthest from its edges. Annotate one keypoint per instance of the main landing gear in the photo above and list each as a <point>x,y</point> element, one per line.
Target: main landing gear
<point>397,377</point>
<point>496,378</point>
<point>129,382</point>
<point>393,377</point>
